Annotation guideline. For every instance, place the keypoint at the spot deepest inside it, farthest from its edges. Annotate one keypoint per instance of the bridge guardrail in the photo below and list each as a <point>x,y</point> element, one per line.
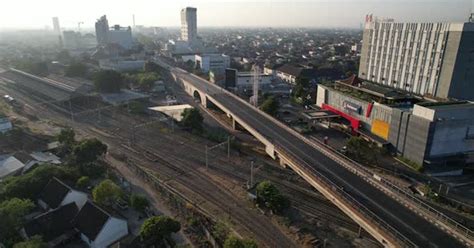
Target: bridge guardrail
<point>439,215</point>
<point>365,211</point>
<point>369,175</point>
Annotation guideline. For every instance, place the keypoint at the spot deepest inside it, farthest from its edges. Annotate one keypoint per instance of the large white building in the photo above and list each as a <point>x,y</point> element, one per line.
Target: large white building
<point>430,59</point>
<point>189,24</point>
<point>217,63</point>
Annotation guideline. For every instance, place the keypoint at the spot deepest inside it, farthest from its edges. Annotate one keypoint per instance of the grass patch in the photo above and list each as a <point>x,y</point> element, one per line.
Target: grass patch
<point>411,164</point>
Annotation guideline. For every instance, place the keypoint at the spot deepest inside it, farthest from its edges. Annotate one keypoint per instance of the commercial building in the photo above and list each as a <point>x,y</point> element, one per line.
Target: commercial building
<point>436,134</point>
<point>217,63</point>
<point>290,73</point>
<point>115,35</point>
<point>189,25</point>
<point>245,80</point>
<point>434,60</point>
<point>56,27</point>
<point>102,30</point>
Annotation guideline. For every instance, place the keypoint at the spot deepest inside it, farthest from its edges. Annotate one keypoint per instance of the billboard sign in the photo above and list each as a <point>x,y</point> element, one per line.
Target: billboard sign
<point>352,107</point>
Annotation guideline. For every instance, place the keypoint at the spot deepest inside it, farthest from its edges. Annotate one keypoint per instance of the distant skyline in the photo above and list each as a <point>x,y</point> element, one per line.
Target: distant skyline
<point>27,14</point>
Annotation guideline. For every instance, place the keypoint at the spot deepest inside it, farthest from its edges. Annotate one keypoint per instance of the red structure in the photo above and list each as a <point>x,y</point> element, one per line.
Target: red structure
<point>354,122</point>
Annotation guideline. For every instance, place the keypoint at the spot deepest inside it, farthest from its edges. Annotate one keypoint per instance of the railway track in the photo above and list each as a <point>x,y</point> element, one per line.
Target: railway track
<point>183,169</point>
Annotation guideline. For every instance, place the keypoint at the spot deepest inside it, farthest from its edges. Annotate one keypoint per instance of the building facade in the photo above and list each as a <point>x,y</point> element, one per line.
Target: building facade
<point>433,60</point>
<point>56,27</point>
<point>102,30</point>
<point>217,63</point>
<point>189,24</point>
<point>121,36</point>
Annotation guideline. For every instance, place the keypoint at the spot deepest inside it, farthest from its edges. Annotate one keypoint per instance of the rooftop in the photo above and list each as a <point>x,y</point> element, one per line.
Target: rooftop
<point>54,192</point>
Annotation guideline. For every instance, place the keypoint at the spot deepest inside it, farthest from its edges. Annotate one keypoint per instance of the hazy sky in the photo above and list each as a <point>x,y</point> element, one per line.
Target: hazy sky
<point>274,13</point>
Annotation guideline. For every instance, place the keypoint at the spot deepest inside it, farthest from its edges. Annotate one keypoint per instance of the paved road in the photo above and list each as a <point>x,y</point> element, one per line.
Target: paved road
<point>412,226</point>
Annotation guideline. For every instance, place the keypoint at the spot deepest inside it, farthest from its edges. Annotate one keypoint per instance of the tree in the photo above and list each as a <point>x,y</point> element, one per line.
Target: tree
<point>151,66</point>
<point>157,228</point>
<point>234,242</point>
<point>361,151</point>
<point>139,202</point>
<point>12,213</point>
<point>108,81</point>
<point>34,242</point>
<point>192,119</point>
<point>76,70</point>
<point>300,91</point>
<point>87,151</point>
<point>270,105</point>
<point>83,182</point>
<point>147,80</point>
<point>106,193</point>
<point>66,137</point>
<point>30,184</point>
<point>268,194</point>
<point>137,107</point>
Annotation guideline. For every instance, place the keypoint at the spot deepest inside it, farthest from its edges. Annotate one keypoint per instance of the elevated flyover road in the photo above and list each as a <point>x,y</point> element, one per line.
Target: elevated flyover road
<point>384,216</point>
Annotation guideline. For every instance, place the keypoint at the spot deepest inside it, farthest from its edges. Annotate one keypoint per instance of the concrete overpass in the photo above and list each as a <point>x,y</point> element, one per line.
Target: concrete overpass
<point>390,216</point>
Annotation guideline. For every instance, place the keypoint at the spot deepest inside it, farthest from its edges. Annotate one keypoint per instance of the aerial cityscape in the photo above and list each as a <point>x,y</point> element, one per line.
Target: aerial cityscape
<point>237,124</point>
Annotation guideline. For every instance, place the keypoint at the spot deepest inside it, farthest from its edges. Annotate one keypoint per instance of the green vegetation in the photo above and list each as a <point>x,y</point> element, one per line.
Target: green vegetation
<point>158,228</point>
<point>106,193</point>
<point>30,184</point>
<point>234,242</point>
<point>270,105</point>
<point>87,151</point>
<point>300,92</point>
<point>143,80</point>
<point>137,107</point>
<point>220,231</point>
<point>269,195</point>
<point>361,150</point>
<point>108,81</point>
<point>139,202</point>
<point>67,140</point>
<point>33,242</point>
<point>12,214</point>
<point>83,182</point>
<point>192,119</point>
<point>76,69</point>
<point>412,164</point>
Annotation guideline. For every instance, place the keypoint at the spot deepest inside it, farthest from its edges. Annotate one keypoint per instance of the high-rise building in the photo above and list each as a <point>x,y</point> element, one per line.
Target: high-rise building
<point>102,30</point>
<point>56,27</point>
<point>189,24</point>
<point>121,36</point>
<point>429,59</point>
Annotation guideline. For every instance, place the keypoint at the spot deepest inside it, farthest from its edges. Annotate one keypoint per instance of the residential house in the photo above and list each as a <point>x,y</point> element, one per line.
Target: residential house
<point>98,228</point>
<point>10,165</point>
<point>55,226</point>
<point>56,194</point>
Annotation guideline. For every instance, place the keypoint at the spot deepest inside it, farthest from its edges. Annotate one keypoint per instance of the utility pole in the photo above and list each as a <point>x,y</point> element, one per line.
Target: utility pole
<point>251,174</point>
<point>70,110</point>
<point>255,78</point>
<point>228,147</point>
<point>207,160</point>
